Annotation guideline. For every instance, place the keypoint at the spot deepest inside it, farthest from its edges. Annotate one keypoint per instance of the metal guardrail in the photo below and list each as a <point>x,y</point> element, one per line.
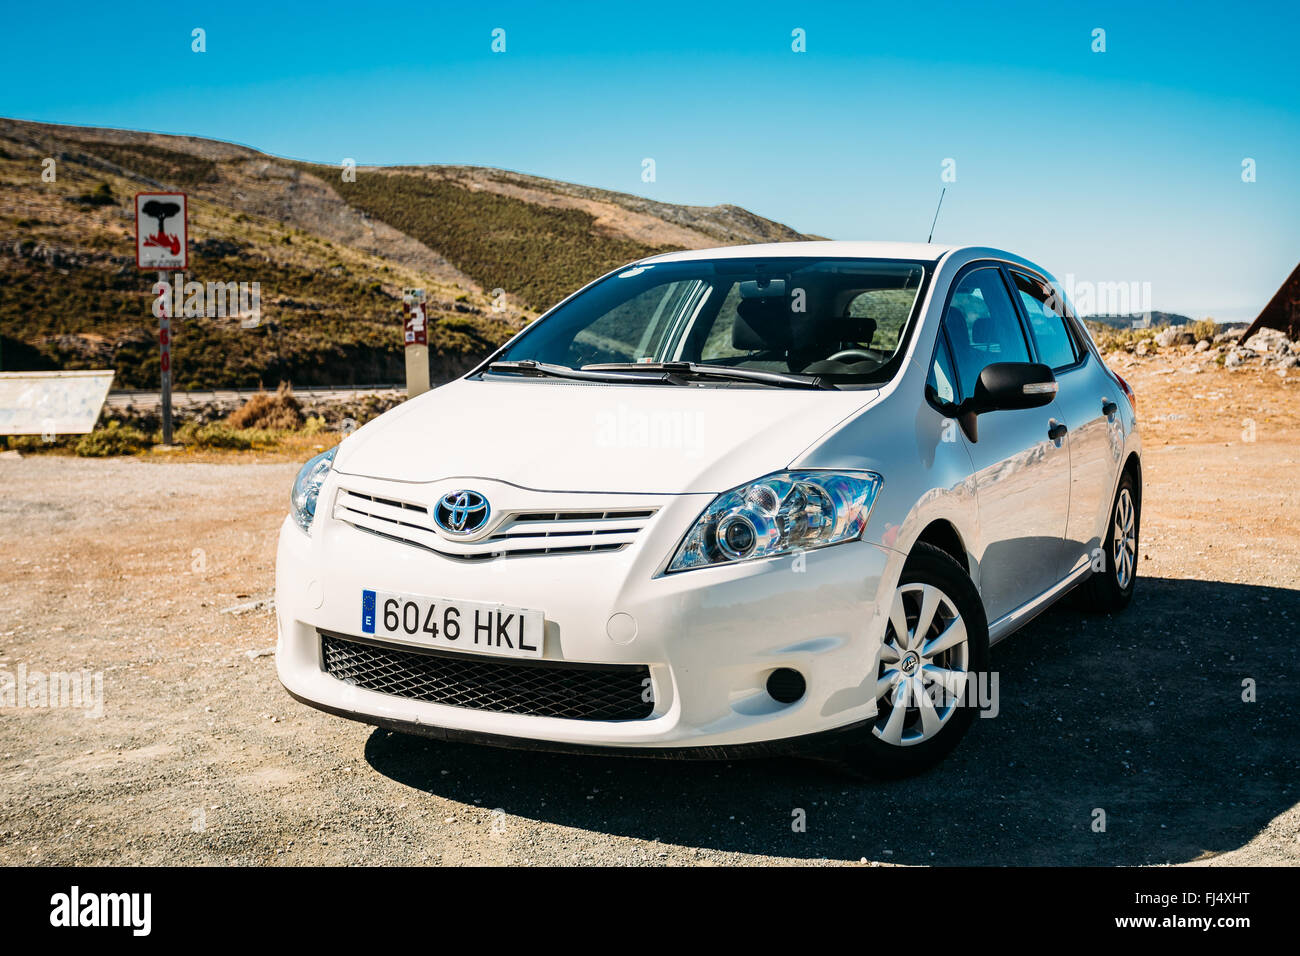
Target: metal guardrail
<point>127,396</point>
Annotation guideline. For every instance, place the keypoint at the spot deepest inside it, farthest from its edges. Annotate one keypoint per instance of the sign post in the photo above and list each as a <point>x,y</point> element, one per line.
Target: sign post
<point>415,337</point>
<point>165,363</point>
<point>165,249</point>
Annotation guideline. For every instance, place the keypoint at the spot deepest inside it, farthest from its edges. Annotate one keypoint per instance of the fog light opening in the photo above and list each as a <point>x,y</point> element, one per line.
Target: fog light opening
<point>786,685</point>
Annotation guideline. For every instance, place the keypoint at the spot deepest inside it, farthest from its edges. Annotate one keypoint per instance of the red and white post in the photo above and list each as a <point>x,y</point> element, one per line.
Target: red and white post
<point>165,362</point>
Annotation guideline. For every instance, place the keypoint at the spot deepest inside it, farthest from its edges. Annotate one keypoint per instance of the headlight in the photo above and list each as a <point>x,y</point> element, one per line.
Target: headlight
<point>785,512</point>
<point>306,487</point>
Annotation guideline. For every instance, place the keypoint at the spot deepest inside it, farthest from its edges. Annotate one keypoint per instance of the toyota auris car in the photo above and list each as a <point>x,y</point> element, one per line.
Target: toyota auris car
<point>760,499</point>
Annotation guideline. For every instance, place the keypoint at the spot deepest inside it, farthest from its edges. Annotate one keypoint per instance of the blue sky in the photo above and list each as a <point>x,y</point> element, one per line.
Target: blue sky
<point>1122,166</point>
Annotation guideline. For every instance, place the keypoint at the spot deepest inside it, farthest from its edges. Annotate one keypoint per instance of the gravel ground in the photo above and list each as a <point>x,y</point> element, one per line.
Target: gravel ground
<point>125,566</point>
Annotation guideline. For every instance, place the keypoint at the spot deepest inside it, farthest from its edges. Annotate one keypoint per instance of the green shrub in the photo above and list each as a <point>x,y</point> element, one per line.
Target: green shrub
<point>28,444</point>
<point>113,439</point>
<point>223,436</point>
<point>213,436</point>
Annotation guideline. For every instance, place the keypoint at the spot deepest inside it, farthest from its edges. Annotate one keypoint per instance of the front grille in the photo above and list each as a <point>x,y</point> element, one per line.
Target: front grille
<point>539,688</point>
<point>516,534</point>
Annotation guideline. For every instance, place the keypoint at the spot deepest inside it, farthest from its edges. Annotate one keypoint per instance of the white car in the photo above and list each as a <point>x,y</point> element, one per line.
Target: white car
<point>737,501</point>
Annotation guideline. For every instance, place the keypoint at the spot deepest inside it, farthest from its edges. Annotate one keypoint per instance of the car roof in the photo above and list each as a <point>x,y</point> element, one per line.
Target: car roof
<point>851,249</point>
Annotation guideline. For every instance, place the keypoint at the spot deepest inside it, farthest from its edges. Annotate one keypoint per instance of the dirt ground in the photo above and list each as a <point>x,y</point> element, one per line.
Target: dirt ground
<point>125,567</point>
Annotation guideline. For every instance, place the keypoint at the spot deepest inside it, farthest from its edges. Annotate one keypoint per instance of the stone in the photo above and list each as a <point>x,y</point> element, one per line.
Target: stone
<point>1269,340</point>
<point>1174,336</point>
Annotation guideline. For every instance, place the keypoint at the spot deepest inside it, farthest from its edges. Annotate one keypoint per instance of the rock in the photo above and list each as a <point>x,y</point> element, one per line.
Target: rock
<point>1203,345</point>
<point>239,610</point>
<point>1269,340</point>
<point>1174,336</point>
<point>1143,348</point>
<point>1231,335</point>
<point>1234,359</point>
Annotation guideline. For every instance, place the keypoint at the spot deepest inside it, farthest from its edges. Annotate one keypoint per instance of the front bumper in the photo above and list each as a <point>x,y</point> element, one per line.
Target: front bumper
<point>709,638</point>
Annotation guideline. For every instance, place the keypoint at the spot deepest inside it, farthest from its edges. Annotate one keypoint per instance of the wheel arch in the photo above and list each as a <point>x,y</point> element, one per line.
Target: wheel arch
<point>1133,466</point>
<point>943,534</point>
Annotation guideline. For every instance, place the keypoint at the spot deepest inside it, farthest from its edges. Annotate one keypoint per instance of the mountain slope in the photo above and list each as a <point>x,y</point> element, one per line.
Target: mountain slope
<point>331,256</point>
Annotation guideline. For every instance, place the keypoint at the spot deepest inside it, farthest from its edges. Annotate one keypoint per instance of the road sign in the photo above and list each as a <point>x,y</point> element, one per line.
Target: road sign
<point>161,231</point>
<point>52,403</point>
<point>415,318</point>
<point>415,336</point>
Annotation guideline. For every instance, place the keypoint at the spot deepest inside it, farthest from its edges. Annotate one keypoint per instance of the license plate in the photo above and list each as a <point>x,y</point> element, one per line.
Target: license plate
<point>459,625</point>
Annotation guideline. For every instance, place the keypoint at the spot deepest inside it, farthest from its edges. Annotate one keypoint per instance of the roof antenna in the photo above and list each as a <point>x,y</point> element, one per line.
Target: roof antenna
<point>936,216</point>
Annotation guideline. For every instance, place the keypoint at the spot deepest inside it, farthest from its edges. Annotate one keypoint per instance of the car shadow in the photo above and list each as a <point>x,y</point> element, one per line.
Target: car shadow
<point>1118,740</point>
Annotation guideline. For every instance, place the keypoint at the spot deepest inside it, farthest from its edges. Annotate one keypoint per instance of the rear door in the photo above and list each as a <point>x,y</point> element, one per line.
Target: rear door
<point>1022,473</point>
<point>1086,403</point>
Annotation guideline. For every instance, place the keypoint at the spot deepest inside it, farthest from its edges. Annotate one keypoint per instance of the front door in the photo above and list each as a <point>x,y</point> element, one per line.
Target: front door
<point>1022,471</point>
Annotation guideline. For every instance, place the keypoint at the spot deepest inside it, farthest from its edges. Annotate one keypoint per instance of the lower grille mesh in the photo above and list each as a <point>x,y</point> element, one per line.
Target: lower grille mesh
<point>543,688</point>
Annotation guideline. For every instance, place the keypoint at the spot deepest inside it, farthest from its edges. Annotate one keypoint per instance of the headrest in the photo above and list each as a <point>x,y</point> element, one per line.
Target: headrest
<point>857,328</point>
<point>762,325</point>
<point>958,326</point>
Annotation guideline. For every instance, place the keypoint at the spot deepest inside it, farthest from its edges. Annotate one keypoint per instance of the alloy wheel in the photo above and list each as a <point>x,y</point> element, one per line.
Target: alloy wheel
<point>924,666</point>
<point>1124,537</point>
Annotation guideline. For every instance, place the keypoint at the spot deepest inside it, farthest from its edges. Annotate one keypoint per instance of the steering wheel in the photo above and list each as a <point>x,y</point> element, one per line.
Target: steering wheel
<point>859,354</point>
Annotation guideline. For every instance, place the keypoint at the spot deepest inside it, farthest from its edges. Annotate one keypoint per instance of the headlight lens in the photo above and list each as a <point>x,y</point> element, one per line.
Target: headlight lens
<point>782,513</point>
<point>306,487</point>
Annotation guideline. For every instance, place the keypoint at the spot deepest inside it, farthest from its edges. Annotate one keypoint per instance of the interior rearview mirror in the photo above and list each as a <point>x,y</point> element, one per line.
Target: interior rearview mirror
<point>767,288</point>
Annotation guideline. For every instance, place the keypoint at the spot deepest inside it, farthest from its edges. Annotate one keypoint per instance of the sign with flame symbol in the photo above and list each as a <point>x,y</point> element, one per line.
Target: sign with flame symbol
<point>161,231</point>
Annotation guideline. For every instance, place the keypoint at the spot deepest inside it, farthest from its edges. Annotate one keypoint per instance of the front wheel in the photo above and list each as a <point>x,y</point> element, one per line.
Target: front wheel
<point>935,650</point>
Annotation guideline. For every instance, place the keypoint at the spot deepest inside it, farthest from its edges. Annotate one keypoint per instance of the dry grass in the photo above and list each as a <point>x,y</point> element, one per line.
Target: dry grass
<point>269,410</point>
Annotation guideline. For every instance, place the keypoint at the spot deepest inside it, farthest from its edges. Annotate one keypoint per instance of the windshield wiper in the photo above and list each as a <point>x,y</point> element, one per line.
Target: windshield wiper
<point>586,374</point>
<point>697,370</point>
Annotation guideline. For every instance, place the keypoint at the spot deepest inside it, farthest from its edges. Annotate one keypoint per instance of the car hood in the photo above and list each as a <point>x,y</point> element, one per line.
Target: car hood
<point>557,436</point>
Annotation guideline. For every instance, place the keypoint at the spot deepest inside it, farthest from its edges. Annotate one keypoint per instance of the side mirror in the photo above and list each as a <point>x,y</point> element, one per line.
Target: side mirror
<point>1010,385</point>
<point>1005,386</point>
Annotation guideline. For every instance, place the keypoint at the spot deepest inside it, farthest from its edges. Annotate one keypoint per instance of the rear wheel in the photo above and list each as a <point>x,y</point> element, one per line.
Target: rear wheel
<point>935,647</point>
<point>1110,589</point>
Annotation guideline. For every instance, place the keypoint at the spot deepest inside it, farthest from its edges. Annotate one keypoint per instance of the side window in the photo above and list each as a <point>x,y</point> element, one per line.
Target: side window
<point>1055,344</point>
<point>982,326</point>
<point>942,381</point>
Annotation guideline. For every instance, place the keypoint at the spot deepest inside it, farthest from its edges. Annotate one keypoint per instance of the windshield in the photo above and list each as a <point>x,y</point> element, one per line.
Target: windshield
<point>841,320</point>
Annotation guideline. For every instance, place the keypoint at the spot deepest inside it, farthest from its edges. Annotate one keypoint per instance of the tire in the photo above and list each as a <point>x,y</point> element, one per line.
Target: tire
<point>1110,590</point>
<point>897,743</point>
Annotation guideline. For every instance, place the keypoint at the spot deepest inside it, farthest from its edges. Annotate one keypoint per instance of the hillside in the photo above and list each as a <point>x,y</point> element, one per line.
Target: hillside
<point>1135,320</point>
<point>332,257</point>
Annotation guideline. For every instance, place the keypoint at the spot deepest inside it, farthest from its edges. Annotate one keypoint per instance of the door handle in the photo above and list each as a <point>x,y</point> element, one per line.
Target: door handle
<point>1057,431</point>
<point>1108,408</point>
